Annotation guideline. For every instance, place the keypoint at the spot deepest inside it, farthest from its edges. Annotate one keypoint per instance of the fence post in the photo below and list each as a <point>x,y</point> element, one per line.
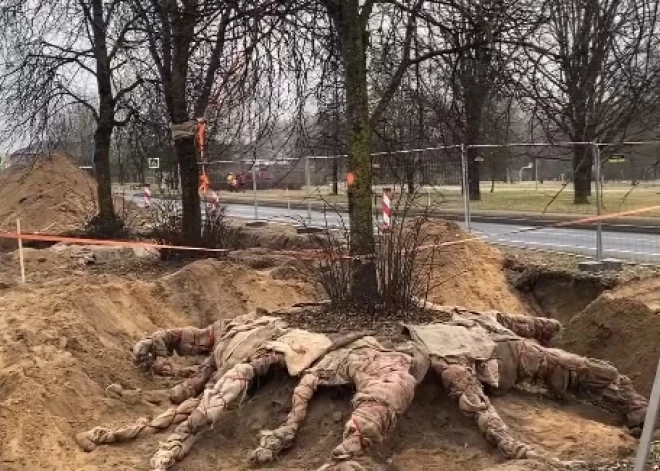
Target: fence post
<point>466,190</point>
<point>649,424</point>
<point>254,190</point>
<point>599,228</point>
<point>308,185</point>
<point>536,174</point>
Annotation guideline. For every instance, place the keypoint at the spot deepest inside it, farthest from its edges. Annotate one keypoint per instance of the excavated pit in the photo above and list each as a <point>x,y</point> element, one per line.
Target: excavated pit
<point>557,293</point>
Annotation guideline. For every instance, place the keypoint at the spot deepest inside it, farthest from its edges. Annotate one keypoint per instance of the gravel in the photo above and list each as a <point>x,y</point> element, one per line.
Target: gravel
<point>653,463</point>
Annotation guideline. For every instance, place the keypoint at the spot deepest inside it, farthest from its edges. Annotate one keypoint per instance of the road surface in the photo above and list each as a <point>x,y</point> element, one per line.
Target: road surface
<point>639,247</point>
<point>625,245</point>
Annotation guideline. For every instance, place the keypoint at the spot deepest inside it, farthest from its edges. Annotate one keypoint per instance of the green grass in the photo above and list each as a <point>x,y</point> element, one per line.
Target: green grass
<point>539,201</point>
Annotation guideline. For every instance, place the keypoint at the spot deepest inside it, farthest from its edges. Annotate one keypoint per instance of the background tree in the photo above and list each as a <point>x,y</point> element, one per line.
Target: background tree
<point>198,47</point>
<point>593,64</point>
<point>52,50</point>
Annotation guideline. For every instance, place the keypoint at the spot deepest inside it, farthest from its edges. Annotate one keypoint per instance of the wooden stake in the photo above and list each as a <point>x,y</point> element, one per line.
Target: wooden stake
<point>20,250</point>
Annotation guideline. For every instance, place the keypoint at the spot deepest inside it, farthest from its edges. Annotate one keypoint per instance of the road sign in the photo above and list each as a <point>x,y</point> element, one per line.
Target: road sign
<point>154,163</point>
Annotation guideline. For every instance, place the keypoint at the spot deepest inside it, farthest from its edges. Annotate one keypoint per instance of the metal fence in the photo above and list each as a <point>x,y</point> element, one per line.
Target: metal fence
<point>520,195</point>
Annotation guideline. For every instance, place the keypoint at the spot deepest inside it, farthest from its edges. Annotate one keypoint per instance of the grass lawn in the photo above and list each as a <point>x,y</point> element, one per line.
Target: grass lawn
<point>515,197</point>
<point>523,197</point>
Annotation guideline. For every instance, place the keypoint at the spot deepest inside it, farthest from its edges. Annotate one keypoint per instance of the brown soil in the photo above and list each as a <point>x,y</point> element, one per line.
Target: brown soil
<point>63,341</point>
<point>67,335</point>
<point>622,326</point>
<point>274,237</point>
<point>52,195</point>
<point>212,290</point>
<point>561,294</point>
<point>471,274</point>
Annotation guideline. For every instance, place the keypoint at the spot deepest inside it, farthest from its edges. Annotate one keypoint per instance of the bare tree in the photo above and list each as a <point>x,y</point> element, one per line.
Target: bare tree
<point>592,67</point>
<point>52,48</point>
<point>198,48</point>
<point>463,85</point>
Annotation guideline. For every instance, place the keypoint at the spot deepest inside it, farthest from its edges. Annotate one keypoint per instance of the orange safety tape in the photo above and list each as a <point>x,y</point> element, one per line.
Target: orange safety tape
<point>310,254</point>
<point>111,243</point>
<point>603,217</point>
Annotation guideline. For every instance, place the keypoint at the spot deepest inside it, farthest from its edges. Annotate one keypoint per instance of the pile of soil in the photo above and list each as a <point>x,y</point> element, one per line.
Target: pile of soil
<point>62,342</point>
<point>273,236</point>
<point>470,274</point>
<point>622,326</point>
<point>560,294</point>
<point>65,337</point>
<point>208,289</point>
<point>49,195</point>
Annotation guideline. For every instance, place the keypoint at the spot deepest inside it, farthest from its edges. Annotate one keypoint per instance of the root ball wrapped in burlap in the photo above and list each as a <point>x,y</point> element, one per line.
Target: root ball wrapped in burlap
<point>230,388</point>
<point>272,442</point>
<point>141,428</point>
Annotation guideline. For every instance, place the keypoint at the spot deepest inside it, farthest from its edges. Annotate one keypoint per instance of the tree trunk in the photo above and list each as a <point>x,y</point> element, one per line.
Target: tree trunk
<point>353,42</point>
<point>190,201</point>
<point>472,136</point>
<point>582,161</point>
<point>409,165</point>
<point>106,217</point>
<point>120,164</point>
<point>106,220</point>
<point>186,154</point>
<point>473,175</point>
<point>335,175</point>
<point>492,175</point>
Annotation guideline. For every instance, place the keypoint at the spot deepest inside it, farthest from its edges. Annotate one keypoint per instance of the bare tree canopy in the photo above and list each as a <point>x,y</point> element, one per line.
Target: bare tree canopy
<point>375,73</point>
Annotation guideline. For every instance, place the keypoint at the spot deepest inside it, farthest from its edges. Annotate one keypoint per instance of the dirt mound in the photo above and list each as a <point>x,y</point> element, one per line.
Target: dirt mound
<point>470,274</point>
<point>274,237</point>
<point>622,326</point>
<point>51,195</point>
<point>39,265</point>
<point>63,342</point>
<point>215,290</point>
<point>560,294</point>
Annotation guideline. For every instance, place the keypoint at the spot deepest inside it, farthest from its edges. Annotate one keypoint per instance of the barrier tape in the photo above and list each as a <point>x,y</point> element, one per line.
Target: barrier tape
<point>313,254</point>
<point>111,243</point>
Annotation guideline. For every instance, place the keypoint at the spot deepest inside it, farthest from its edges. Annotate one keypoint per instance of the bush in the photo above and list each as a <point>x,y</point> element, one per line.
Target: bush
<point>403,258</point>
<point>167,223</point>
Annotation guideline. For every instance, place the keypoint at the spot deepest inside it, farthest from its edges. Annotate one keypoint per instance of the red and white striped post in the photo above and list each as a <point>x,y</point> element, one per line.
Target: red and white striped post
<point>147,197</point>
<point>387,208</point>
<point>215,200</point>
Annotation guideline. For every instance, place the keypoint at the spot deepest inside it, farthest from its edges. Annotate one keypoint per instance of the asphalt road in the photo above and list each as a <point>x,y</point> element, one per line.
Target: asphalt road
<point>639,247</point>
